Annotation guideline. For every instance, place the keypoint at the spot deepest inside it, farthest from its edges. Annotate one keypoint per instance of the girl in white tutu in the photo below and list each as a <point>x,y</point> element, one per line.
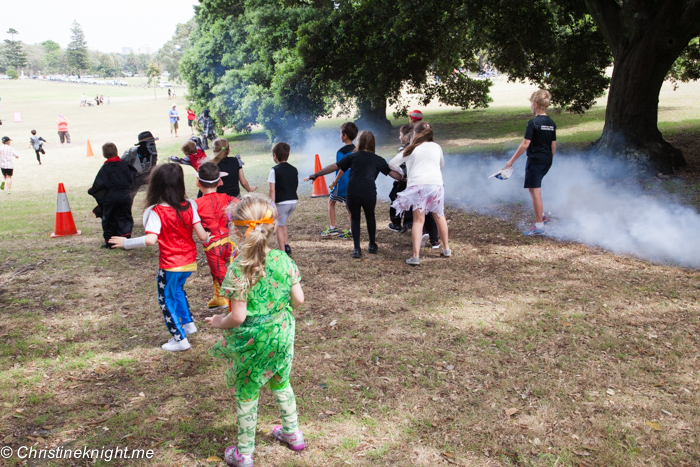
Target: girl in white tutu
<point>425,192</point>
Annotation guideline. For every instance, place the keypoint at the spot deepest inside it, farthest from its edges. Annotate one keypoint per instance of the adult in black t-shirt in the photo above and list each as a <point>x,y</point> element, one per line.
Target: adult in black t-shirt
<point>362,188</point>
<point>540,142</point>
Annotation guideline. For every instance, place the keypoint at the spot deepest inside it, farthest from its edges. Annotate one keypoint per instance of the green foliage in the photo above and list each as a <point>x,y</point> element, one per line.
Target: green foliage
<point>153,73</point>
<point>14,54</point>
<point>12,73</point>
<point>172,51</point>
<point>77,54</point>
<point>687,66</point>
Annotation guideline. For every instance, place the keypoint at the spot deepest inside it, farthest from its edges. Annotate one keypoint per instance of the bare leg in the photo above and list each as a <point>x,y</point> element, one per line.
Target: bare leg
<point>536,194</point>
<point>8,182</point>
<point>442,229</point>
<point>331,212</point>
<point>417,231</point>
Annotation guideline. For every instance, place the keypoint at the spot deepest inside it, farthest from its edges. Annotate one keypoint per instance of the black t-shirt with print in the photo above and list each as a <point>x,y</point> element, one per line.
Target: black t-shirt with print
<point>541,131</point>
<point>365,166</point>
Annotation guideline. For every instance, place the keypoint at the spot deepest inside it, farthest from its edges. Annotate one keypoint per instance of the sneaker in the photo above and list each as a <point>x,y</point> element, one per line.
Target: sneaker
<point>446,252</point>
<point>330,232</point>
<point>357,253</point>
<point>288,250</point>
<point>435,245</point>
<point>395,228</point>
<point>534,231</point>
<point>174,346</point>
<point>545,221</point>
<point>373,249</point>
<point>295,441</point>
<point>404,229</point>
<point>236,459</point>
<point>189,328</point>
<point>424,240</point>
<point>179,160</point>
<point>106,245</point>
<point>345,234</point>
<point>413,261</point>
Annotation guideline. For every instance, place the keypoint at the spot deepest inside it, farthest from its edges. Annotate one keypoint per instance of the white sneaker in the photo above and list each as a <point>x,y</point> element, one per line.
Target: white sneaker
<point>189,328</point>
<point>173,346</point>
<point>424,240</point>
<point>446,252</point>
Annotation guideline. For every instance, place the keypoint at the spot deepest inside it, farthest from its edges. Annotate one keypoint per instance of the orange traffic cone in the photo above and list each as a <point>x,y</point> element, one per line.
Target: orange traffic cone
<point>64,219</point>
<point>89,150</point>
<point>319,189</point>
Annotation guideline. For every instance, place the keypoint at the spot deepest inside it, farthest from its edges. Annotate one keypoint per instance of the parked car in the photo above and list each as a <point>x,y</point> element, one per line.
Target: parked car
<point>164,84</point>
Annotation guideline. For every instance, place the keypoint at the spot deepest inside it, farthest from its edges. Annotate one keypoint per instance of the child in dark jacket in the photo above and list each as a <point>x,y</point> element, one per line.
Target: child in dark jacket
<point>111,191</point>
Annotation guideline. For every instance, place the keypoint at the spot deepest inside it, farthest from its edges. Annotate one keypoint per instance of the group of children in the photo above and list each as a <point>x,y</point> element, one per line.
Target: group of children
<point>259,286</point>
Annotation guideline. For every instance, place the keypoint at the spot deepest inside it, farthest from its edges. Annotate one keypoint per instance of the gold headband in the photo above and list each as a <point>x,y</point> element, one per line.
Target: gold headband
<point>253,225</point>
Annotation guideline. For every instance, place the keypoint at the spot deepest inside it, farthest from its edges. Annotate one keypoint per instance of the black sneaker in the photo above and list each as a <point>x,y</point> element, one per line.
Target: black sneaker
<point>288,250</point>
<point>435,245</point>
<point>357,253</point>
<point>373,249</point>
<point>395,228</point>
<point>106,245</point>
<point>179,160</point>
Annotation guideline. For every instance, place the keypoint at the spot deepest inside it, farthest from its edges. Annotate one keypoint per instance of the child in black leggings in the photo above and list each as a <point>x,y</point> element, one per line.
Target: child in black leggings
<point>362,189</point>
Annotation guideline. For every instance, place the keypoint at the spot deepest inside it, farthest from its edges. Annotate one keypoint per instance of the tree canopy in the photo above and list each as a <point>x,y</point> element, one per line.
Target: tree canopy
<point>77,54</point>
<point>15,56</point>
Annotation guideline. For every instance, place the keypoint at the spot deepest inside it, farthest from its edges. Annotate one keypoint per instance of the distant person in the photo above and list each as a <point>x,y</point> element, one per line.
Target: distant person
<point>102,98</point>
<point>233,166</point>
<point>174,94</point>
<point>284,181</point>
<point>97,99</point>
<point>63,134</point>
<point>173,120</point>
<point>37,142</point>
<point>111,191</point>
<point>191,117</point>
<point>169,93</point>
<point>339,186</point>
<point>7,165</point>
<point>143,157</point>
<point>540,142</point>
<point>206,123</point>
<point>83,100</point>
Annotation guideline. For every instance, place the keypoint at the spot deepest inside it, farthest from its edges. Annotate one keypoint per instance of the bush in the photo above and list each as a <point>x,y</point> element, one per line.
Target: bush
<point>12,73</point>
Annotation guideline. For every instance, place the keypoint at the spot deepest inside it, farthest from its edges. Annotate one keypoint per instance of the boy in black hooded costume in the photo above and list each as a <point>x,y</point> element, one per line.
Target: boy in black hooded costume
<point>207,123</point>
<point>142,157</point>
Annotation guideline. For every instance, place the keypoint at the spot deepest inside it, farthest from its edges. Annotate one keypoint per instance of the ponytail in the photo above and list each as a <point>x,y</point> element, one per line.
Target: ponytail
<point>254,217</point>
<point>422,132</point>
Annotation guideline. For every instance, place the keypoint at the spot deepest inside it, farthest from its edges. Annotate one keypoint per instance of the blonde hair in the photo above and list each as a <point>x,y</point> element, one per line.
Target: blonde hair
<point>251,251</point>
<point>542,98</point>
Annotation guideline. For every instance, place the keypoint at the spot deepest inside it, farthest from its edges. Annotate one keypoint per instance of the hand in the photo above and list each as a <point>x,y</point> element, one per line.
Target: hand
<point>253,188</point>
<point>117,242</point>
<point>310,178</point>
<point>509,164</point>
<point>215,321</point>
<point>332,185</point>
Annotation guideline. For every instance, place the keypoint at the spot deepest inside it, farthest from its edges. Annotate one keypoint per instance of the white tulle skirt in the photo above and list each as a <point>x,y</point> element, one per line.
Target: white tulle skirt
<point>426,198</point>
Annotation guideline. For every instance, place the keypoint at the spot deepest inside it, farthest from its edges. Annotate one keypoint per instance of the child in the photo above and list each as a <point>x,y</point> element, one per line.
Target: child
<point>111,191</point>
<point>283,180</point>
<point>541,144</point>
<point>231,165</point>
<point>264,287</point>
<point>7,165</point>
<point>194,156</point>
<point>37,142</point>
<point>400,185</point>
<point>348,132</point>
<point>191,116</point>
<point>169,220</point>
<point>362,188</point>
<point>211,207</point>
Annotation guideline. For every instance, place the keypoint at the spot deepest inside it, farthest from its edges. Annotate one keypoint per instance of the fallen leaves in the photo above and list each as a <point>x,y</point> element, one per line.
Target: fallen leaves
<point>654,425</point>
<point>512,411</point>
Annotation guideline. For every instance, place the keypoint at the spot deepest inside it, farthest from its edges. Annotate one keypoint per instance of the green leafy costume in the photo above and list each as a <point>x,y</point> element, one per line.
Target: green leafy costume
<point>262,348</point>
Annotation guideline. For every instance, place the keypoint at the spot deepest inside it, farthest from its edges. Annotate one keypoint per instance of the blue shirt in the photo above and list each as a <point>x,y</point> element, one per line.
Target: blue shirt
<point>173,115</point>
<point>342,186</point>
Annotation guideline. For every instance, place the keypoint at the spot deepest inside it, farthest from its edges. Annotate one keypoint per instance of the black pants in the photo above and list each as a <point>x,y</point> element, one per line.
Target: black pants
<point>430,227</point>
<point>355,204</point>
<point>205,139</point>
<point>116,218</point>
<point>407,216</point>
<point>39,151</point>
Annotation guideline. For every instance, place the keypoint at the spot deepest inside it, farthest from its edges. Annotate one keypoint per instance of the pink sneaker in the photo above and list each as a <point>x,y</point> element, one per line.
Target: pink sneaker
<point>236,459</point>
<point>295,441</point>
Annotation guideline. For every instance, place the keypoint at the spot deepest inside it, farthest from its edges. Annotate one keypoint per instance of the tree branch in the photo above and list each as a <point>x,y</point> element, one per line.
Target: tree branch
<point>606,14</point>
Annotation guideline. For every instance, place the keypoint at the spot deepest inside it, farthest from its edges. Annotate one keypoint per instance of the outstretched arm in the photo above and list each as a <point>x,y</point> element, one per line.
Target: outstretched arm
<point>326,170</point>
<point>244,182</point>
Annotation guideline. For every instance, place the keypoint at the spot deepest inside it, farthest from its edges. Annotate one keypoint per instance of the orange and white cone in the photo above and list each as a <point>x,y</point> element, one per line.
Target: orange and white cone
<point>319,188</point>
<point>64,218</point>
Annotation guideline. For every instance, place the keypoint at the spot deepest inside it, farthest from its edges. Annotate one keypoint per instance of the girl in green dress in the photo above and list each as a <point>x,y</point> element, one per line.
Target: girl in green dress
<point>263,286</point>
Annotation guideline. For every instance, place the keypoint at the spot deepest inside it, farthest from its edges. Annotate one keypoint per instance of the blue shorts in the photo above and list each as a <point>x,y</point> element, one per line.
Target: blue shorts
<point>334,197</point>
<point>535,171</point>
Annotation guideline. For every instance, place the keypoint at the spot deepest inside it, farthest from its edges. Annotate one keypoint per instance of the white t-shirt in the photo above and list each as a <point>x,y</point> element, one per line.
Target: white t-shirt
<point>271,179</point>
<point>152,223</point>
<point>423,165</point>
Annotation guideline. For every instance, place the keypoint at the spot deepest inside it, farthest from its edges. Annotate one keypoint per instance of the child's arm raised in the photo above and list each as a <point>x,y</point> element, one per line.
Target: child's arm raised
<point>231,320</point>
<point>296,296</point>
<point>326,170</point>
<point>521,149</point>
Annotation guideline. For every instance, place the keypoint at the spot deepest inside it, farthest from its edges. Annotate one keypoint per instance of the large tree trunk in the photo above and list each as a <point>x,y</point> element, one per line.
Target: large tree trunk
<point>372,115</point>
<point>631,117</point>
<point>646,38</point>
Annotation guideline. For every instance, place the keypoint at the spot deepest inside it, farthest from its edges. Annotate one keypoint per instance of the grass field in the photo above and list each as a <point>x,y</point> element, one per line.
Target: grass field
<point>516,351</point>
